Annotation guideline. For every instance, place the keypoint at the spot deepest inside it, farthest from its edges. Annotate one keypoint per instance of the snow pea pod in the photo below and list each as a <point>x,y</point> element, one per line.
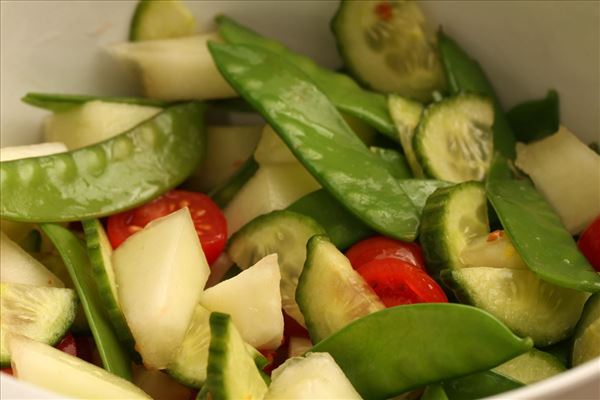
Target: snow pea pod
<point>395,161</point>
<point>119,173</point>
<point>419,344</point>
<point>319,137</point>
<point>479,385</point>
<point>535,119</point>
<point>73,251</point>
<point>343,91</point>
<point>464,74</point>
<point>539,236</point>
<point>434,392</point>
<point>62,102</point>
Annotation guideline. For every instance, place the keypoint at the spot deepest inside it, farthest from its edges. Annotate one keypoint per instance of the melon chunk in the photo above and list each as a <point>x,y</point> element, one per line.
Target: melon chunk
<point>33,150</point>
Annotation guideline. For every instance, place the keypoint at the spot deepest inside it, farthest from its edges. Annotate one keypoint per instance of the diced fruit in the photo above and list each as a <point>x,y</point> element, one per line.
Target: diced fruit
<point>531,367</point>
<point>253,300</point>
<point>161,20</point>
<point>380,247</point>
<point>586,342</point>
<point>160,273</point>
<point>32,150</point>
<point>271,150</point>
<point>589,243</point>
<point>493,250</point>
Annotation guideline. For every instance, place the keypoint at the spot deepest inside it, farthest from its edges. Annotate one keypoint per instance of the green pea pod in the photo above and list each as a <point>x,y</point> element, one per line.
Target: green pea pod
<point>499,169</point>
<point>539,235</point>
<point>62,102</point>
<point>343,91</point>
<point>73,251</point>
<point>119,173</point>
<point>395,161</point>
<point>479,385</point>
<point>464,74</point>
<point>419,344</point>
<point>223,194</point>
<point>536,119</point>
<point>319,137</point>
<point>434,392</point>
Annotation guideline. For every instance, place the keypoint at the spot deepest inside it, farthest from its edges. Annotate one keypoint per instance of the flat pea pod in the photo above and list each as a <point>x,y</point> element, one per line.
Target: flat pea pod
<point>419,344</point>
<point>114,357</point>
<point>464,74</point>
<point>539,235</point>
<point>63,102</point>
<point>479,385</point>
<point>120,173</point>
<point>434,392</point>
<point>344,92</point>
<point>395,162</point>
<point>535,119</point>
<point>319,137</point>
<point>223,194</point>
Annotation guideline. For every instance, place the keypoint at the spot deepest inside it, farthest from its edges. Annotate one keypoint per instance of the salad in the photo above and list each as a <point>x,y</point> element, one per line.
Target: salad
<point>384,231</point>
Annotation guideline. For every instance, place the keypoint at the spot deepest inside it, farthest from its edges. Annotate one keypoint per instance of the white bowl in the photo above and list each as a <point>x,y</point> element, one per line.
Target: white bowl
<point>525,47</point>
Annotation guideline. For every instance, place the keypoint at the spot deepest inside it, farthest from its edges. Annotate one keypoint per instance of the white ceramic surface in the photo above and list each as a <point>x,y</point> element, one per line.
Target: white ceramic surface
<point>526,47</point>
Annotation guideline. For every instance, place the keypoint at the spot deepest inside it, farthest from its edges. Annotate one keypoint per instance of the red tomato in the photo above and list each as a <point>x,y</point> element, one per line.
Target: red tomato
<point>398,282</point>
<point>380,247</point>
<point>208,219</point>
<point>589,243</point>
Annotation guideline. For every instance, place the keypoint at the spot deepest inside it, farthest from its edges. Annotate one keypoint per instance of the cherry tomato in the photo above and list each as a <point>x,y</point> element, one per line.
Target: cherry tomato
<point>208,219</point>
<point>380,247</point>
<point>589,243</point>
<point>398,282</point>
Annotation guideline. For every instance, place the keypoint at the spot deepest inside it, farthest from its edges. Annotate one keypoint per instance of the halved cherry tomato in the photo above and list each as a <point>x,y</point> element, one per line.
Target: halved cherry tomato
<point>398,282</point>
<point>208,219</point>
<point>67,344</point>
<point>589,243</point>
<point>380,247</point>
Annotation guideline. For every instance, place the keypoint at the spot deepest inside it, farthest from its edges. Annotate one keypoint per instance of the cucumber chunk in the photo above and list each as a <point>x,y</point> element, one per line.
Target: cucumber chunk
<point>316,376</point>
<point>17,266</point>
<point>43,314</point>
<point>451,218</point>
<point>386,46</point>
<point>160,273</point>
<point>454,139</point>
<point>253,300</point>
<point>231,373</point>
<point>531,367</point>
<point>284,233</point>
<point>528,305</point>
<point>330,293</point>
<point>161,20</point>
<point>586,342</point>
<point>494,250</point>
<point>406,115</point>
<point>66,375</point>
<point>32,150</point>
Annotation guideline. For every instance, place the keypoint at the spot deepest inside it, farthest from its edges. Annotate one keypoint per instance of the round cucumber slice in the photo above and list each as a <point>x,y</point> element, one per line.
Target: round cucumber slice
<point>161,20</point>
<point>531,367</point>
<point>43,314</point>
<point>586,343</point>
<point>386,45</point>
<point>454,140</point>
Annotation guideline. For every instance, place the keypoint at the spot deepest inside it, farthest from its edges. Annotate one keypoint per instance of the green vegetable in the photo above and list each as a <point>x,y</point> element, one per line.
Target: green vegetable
<point>434,392</point>
<point>531,367</point>
<point>163,19</point>
<point>223,194</point>
<point>319,137</point>
<point>586,341</point>
<point>396,163</point>
<point>540,237</point>
<point>122,172</point>
<point>419,344</point>
<point>63,102</point>
<point>406,115</point>
<point>536,119</point>
<point>347,95</point>
<point>479,385</point>
<point>464,74</point>
<point>113,355</point>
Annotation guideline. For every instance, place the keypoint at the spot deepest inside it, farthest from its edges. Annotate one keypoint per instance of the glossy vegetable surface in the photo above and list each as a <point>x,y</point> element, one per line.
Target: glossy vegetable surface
<point>380,247</point>
<point>63,102</point>
<point>589,243</point>
<point>101,179</point>
<point>319,137</point>
<point>73,251</point>
<point>419,344</point>
<point>540,237</point>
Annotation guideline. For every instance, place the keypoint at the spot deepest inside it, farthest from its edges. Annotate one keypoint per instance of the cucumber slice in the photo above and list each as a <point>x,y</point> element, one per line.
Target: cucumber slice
<point>231,373</point>
<point>316,376</point>
<point>555,165</point>
<point>452,217</point>
<point>494,250</point>
<point>62,373</point>
<point>586,342</point>
<point>94,121</point>
<point>32,150</point>
<point>160,272</point>
<point>253,300</point>
<point>386,46</point>
<point>406,115</point>
<point>176,69</point>
<point>43,314</point>
<point>161,20</point>
<point>330,293</point>
<point>100,252</point>
<point>284,233</point>
<point>17,266</point>
<point>528,305</point>
<point>454,139</point>
<point>531,367</point>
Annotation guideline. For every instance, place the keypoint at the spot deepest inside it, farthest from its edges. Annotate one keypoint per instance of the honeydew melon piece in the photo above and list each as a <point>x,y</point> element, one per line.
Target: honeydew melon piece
<point>32,150</point>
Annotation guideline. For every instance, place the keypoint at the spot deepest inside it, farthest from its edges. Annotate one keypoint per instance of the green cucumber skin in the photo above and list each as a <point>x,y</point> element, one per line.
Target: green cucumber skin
<point>58,102</point>
<point>351,173</point>
<point>97,180</point>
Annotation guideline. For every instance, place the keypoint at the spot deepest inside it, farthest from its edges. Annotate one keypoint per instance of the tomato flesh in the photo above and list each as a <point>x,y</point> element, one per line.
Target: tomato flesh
<point>397,282</point>
<point>380,247</point>
<point>589,243</point>
<point>208,219</point>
